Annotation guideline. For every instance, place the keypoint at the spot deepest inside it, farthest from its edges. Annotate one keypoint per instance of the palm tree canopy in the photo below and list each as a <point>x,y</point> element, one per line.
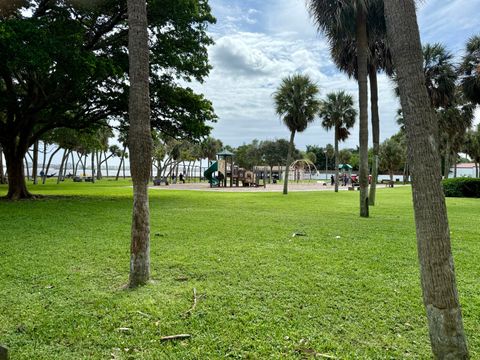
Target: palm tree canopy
<point>440,75</point>
<point>296,102</point>
<point>337,111</point>
<point>470,70</point>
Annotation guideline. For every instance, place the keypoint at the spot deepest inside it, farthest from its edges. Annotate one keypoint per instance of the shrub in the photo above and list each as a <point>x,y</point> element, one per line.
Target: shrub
<point>462,187</point>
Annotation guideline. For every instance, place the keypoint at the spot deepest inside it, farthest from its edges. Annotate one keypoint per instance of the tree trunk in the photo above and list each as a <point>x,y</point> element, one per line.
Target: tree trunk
<point>98,155</point>
<point>26,167</point>
<point>17,187</point>
<point>44,156</point>
<point>455,166</point>
<point>121,163</point>
<point>2,173</point>
<point>362,53</point>
<point>93,165</point>
<point>372,75</point>
<point>476,169</point>
<point>446,165</point>
<point>140,140</point>
<point>337,159</point>
<point>48,165</point>
<point>74,165</point>
<point>35,163</point>
<point>289,161</point>
<point>60,171</point>
<point>437,271</point>
<point>106,162</point>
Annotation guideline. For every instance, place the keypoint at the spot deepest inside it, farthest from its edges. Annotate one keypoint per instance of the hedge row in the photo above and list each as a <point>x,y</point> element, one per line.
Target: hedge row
<point>462,187</point>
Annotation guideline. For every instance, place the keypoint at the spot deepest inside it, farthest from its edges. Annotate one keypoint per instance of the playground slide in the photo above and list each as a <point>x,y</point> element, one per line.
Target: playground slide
<point>209,172</point>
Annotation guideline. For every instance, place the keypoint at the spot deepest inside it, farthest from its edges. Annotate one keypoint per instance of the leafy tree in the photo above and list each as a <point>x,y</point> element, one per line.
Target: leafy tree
<point>296,103</point>
<point>337,112</point>
<point>345,156</point>
<point>324,160</point>
<point>249,155</point>
<point>470,70</point>
<point>391,156</point>
<point>440,295</point>
<point>66,66</point>
<point>210,147</point>
<point>472,147</point>
<point>454,121</point>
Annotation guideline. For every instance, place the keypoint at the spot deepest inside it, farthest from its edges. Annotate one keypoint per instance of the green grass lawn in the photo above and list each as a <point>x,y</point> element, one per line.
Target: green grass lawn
<point>349,289</point>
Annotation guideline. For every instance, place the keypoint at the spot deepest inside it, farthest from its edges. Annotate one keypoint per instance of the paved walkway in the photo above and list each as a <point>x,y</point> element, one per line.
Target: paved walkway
<point>292,186</point>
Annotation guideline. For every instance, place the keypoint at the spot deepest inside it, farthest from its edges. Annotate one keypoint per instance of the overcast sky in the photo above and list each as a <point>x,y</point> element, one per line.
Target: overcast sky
<point>258,42</point>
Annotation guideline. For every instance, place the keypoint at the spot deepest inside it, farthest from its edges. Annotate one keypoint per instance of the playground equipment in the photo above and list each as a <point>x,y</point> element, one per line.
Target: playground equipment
<point>227,172</point>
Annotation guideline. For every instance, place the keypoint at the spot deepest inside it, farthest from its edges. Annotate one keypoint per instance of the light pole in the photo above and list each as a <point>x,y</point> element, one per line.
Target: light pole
<point>326,164</point>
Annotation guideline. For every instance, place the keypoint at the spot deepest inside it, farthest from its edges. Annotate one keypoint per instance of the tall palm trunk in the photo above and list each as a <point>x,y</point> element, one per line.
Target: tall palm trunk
<point>372,76</point>
<point>362,52</point>
<point>337,159</point>
<point>140,140</point>
<point>289,161</point>
<point>437,271</point>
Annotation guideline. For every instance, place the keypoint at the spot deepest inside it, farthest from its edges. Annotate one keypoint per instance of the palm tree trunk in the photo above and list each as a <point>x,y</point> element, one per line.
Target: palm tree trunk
<point>289,161</point>
<point>437,271</point>
<point>362,44</point>
<point>372,75</point>
<point>337,159</point>
<point>140,140</point>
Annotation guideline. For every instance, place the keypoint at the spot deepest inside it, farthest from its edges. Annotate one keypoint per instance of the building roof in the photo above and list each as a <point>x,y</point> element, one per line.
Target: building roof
<point>466,166</point>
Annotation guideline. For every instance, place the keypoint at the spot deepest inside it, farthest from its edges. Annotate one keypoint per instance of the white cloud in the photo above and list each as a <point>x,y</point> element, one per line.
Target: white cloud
<point>250,60</point>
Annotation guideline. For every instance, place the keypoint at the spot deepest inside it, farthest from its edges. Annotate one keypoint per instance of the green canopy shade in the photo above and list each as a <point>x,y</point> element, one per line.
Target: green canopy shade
<point>345,167</point>
<point>225,153</point>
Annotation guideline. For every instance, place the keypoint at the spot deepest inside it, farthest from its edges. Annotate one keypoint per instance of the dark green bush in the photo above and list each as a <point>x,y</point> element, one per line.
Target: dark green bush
<point>462,187</point>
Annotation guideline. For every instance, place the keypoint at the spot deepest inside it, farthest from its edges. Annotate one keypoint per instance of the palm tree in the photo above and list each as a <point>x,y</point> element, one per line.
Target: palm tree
<point>440,75</point>
<point>139,140</point>
<point>335,19</point>
<point>470,70</point>
<point>440,295</point>
<point>454,121</point>
<point>344,54</point>
<point>297,104</point>
<point>337,112</point>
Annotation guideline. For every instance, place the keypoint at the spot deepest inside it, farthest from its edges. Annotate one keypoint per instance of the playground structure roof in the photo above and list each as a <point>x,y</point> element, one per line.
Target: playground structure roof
<point>345,167</point>
<point>225,152</point>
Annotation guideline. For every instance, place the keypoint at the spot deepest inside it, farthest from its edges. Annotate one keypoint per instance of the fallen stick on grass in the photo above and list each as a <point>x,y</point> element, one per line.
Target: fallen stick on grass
<point>195,300</point>
<point>175,337</point>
